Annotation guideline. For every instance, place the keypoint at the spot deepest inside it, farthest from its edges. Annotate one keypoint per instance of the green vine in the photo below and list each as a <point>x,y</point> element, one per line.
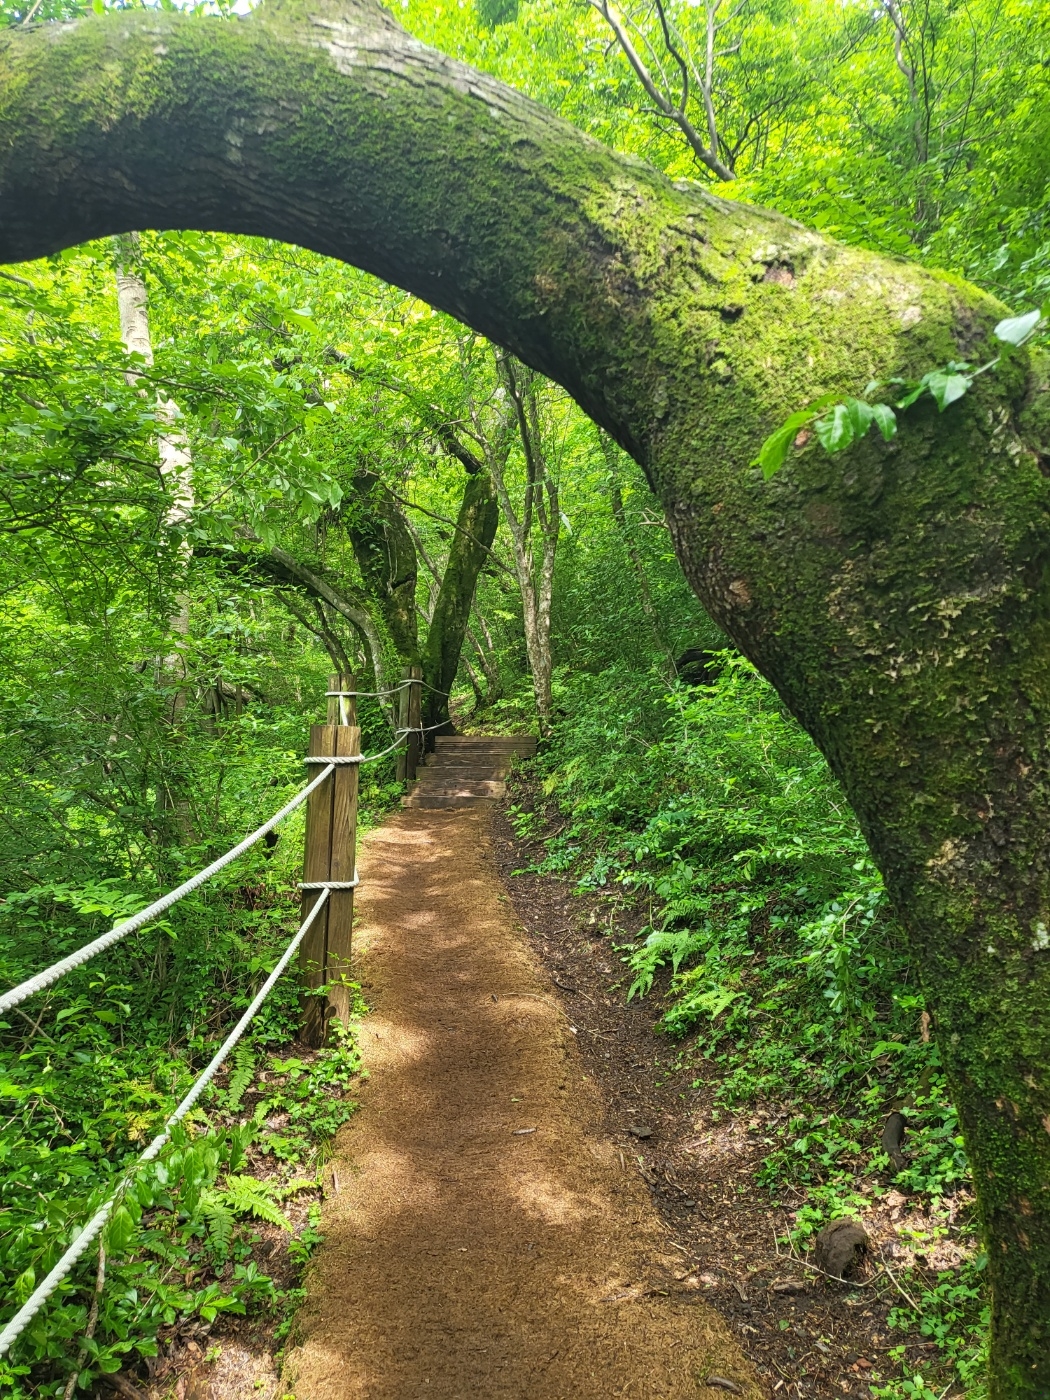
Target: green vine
<point>839,420</point>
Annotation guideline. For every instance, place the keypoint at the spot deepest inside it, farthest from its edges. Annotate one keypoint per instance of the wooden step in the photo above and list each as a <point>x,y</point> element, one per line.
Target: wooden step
<point>484,744</point>
<point>426,799</point>
<point>467,769</point>
<point>470,787</point>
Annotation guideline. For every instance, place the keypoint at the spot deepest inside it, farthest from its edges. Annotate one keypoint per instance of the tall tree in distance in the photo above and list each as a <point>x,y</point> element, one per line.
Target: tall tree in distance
<point>537,517</point>
<point>176,471</point>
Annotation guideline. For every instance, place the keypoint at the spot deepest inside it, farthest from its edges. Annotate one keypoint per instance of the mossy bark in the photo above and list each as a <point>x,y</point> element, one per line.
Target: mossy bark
<point>386,555</point>
<point>898,596</point>
<point>468,552</point>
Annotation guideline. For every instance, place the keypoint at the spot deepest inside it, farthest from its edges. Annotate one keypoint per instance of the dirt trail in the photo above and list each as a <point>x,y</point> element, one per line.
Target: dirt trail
<point>483,1239</point>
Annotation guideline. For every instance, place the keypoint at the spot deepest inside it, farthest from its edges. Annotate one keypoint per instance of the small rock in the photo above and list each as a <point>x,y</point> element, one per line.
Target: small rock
<point>839,1247</point>
<point>640,1130</point>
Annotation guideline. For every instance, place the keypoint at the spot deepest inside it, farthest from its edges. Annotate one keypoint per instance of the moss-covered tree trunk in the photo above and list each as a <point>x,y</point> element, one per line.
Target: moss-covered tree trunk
<point>468,552</point>
<point>898,596</point>
<point>386,555</point>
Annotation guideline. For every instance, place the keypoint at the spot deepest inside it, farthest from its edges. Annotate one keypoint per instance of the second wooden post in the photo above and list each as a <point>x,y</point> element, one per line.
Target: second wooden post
<point>330,861</point>
<point>410,719</point>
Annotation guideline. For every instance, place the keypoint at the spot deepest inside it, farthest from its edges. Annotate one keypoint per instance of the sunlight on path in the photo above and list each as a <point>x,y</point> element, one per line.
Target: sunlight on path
<point>482,1240</point>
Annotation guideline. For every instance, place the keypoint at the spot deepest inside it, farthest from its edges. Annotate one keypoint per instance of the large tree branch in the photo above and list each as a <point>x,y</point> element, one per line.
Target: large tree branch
<point>278,566</point>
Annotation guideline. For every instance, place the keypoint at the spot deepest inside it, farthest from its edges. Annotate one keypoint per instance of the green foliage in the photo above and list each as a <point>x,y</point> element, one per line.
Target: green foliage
<point>770,944</point>
<point>839,423</point>
<point>179,1216</point>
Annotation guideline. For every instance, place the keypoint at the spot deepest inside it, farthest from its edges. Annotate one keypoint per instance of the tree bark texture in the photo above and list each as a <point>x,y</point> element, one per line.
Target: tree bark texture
<point>897,596</point>
<point>386,555</point>
<point>468,553</point>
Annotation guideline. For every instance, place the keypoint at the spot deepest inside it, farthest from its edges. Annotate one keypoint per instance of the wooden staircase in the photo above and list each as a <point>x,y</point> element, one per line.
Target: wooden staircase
<point>465,770</point>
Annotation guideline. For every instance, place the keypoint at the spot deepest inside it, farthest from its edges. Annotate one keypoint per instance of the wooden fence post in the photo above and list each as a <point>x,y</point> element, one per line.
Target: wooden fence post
<point>409,712</point>
<point>331,838</point>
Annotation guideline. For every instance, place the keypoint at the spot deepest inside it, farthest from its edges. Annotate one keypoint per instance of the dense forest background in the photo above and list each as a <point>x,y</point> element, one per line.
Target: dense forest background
<point>196,531</point>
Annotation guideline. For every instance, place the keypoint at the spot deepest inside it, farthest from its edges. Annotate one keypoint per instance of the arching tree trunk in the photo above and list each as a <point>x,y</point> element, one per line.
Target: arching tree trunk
<point>897,596</point>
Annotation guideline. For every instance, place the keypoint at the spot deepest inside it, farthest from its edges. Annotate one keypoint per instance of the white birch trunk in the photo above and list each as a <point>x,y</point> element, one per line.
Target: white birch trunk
<point>173,449</point>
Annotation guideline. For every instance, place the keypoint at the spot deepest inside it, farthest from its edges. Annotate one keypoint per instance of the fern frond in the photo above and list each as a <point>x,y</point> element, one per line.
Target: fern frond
<point>246,1196</point>
<point>220,1221</point>
<point>241,1078</point>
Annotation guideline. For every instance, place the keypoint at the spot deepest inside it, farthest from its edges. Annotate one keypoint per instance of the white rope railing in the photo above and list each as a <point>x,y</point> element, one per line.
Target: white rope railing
<point>144,916</point>
<point>349,760</point>
<point>94,1226</point>
<point>51,974</point>
<point>91,1230</point>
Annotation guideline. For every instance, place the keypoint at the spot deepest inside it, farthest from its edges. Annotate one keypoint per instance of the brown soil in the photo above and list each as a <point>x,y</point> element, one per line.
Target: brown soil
<point>805,1335</point>
<point>484,1235</point>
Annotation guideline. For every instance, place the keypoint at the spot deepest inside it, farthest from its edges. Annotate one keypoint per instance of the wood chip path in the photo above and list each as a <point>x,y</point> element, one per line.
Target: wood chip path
<point>482,1239</point>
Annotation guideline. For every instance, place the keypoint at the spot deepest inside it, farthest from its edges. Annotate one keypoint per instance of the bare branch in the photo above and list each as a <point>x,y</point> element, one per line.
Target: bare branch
<point>705,153</point>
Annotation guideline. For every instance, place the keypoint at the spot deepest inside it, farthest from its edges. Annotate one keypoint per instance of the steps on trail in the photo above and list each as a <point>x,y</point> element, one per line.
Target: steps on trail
<point>467,769</point>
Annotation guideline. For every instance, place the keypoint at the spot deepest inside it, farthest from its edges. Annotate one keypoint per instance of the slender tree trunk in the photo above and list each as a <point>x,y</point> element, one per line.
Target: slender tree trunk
<point>468,552</point>
<point>897,596</point>
<point>176,468</point>
<point>485,652</point>
<point>541,509</point>
<point>386,556</point>
<point>173,448</point>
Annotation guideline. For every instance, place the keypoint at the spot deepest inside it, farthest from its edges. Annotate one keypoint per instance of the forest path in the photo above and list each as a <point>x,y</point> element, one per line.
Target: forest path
<point>482,1239</point>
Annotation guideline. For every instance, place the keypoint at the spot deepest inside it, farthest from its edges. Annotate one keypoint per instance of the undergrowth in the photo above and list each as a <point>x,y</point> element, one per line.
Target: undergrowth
<point>92,1068</point>
<point>788,982</point>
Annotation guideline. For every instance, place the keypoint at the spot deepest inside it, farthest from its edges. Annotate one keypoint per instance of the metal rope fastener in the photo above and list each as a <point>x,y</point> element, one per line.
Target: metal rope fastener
<point>91,1230</point>
<point>59,969</point>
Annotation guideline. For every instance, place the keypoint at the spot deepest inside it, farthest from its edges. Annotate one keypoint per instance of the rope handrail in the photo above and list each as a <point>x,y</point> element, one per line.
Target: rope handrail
<point>370,694</point>
<point>345,760</point>
<point>379,694</point>
<point>59,969</point>
<point>144,916</point>
<point>91,1230</point>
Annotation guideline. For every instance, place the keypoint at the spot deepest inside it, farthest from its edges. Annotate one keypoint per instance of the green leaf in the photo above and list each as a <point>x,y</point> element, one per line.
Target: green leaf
<point>885,420</point>
<point>773,452</point>
<point>860,416</point>
<point>946,388</point>
<point>913,390</point>
<point>301,318</point>
<point>120,1231</point>
<point>835,430</point>
<point>1015,330</point>
<point>24,1285</point>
